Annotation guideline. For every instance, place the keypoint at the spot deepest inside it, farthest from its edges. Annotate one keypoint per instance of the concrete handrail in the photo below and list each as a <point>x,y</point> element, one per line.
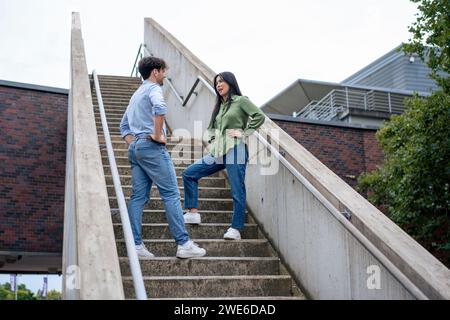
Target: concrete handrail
<point>91,263</point>
<point>422,269</point>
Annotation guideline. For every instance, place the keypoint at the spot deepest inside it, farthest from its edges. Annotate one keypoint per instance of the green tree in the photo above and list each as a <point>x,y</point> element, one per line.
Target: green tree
<point>54,295</point>
<point>412,186</point>
<point>23,293</point>
<point>431,38</point>
<point>5,292</point>
<point>51,295</point>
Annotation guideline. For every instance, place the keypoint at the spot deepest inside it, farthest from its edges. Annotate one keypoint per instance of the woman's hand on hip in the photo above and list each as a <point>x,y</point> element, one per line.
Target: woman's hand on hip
<point>235,133</point>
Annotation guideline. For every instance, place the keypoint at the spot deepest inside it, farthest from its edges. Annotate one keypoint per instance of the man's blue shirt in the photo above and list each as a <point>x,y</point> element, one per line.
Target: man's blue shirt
<point>146,103</point>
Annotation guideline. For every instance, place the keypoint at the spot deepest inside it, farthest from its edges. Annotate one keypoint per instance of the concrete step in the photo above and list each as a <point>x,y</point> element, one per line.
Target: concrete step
<point>114,77</point>
<point>203,203</point>
<point>205,266</point>
<point>112,106</point>
<point>202,192</point>
<point>113,92</point>
<point>126,169</point>
<point>107,90</point>
<point>213,247</point>
<point>218,182</point>
<point>118,81</point>
<point>116,100</point>
<point>109,117</point>
<point>120,147</point>
<point>123,81</point>
<point>180,163</point>
<point>186,158</point>
<point>112,95</point>
<point>201,231</point>
<point>179,158</point>
<point>217,286</point>
<point>170,139</point>
<point>159,216</point>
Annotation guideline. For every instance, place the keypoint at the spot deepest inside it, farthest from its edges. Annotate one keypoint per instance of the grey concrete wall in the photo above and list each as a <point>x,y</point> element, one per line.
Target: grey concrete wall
<point>324,257</point>
<point>184,67</point>
<point>90,259</point>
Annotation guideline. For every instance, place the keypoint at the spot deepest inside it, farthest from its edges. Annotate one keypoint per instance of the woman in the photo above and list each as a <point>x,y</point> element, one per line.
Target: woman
<point>229,126</point>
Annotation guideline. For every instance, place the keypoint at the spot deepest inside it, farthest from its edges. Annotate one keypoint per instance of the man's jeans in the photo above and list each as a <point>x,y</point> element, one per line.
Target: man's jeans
<point>235,162</point>
<point>150,162</point>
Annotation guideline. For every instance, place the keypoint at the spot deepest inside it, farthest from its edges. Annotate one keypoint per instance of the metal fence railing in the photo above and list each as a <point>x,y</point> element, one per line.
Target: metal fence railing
<point>341,100</point>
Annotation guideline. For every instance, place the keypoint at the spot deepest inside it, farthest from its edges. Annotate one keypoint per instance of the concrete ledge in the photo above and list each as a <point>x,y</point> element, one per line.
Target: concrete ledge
<point>91,238</point>
<point>321,123</point>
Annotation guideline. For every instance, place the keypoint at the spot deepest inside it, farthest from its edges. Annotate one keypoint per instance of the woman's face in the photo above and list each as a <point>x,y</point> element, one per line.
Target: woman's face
<point>222,87</point>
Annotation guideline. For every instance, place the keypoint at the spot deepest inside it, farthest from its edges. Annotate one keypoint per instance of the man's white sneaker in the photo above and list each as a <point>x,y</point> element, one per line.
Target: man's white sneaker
<point>142,252</point>
<point>232,234</point>
<point>192,218</point>
<point>190,250</point>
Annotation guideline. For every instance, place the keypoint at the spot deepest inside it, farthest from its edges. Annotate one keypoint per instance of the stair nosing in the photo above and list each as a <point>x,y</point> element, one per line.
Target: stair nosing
<point>193,278</point>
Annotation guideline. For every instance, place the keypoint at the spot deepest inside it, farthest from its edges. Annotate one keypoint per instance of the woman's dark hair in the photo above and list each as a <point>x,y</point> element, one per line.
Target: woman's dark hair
<point>148,64</point>
<point>230,79</point>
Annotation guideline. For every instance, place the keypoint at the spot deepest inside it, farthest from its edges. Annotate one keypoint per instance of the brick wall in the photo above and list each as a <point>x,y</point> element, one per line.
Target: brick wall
<point>32,170</point>
<point>348,152</point>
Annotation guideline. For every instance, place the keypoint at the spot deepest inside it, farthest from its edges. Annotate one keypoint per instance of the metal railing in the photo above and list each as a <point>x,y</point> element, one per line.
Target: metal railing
<point>135,266</point>
<point>342,100</point>
<point>183,101</point>
<point>142,52</point>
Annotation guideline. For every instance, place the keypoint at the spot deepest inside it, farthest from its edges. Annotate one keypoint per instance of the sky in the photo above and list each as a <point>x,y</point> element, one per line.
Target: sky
<point>266,44</point>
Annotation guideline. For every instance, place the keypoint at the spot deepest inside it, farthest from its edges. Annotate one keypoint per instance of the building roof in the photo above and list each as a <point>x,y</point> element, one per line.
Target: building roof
<point>300,93</point>
<point>379,63</point>
<point>35,87</point>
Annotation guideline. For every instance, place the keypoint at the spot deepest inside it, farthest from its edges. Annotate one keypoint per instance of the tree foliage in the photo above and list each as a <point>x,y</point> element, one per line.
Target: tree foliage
<point>412,186</point>
<point>23,293</point>
<point>431,38</point>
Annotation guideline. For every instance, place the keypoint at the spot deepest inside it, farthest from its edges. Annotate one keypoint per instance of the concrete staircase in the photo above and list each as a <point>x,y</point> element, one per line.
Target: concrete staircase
<point>242,269</point>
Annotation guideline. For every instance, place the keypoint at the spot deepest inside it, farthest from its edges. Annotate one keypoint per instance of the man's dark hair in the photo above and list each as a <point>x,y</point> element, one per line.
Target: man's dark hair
<point>148,64</point>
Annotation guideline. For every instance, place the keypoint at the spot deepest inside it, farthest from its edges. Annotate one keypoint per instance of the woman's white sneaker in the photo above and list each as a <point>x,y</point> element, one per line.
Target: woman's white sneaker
<point>232,234</point>
<point>142,252</point>
<point>192,218</point>
<point>190,250</point>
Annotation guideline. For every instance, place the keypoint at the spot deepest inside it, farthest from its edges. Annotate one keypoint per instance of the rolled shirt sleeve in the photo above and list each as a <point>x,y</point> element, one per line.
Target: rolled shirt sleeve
<point>257,117</point>
<point>157,100</point>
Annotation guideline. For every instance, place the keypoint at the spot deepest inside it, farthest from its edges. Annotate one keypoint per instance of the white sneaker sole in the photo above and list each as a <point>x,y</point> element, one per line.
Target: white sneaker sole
<point>193,220</point>
<point>230,238</point>
<point>190,255</point>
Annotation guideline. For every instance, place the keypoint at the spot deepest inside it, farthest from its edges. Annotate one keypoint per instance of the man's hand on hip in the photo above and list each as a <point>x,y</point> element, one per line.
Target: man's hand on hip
<point>161,138</point>
<point>129,139</point>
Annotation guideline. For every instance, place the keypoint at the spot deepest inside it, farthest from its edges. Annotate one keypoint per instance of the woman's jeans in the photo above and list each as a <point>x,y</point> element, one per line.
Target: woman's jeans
<point>150,162</point>
<point>235,162</point>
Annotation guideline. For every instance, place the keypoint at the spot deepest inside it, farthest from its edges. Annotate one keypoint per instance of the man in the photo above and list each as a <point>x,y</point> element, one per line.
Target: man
<point>142,127</point>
